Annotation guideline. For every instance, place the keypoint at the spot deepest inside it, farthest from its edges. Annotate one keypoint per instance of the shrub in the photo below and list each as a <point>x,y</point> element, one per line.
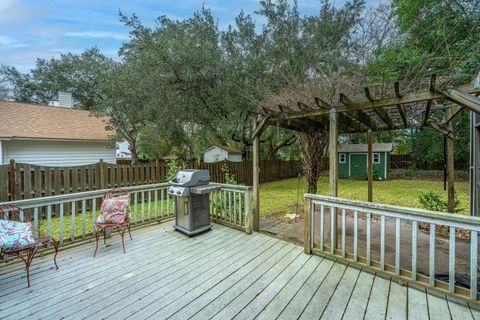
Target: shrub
<point>172,167</point>
<point>434,201</point>
<point>228,177</point>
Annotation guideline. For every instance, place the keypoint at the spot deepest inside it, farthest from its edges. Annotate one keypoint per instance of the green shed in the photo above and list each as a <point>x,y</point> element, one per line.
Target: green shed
<point>352,160</point>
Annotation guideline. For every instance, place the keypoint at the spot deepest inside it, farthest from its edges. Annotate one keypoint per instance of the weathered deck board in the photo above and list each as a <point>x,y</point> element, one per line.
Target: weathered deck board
<point>221,274</point>
<point>378,300</point>
<point>397,302</point>
<point>417,304</point>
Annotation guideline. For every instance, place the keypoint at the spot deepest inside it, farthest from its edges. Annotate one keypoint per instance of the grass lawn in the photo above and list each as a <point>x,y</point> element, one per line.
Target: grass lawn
<point>67,219</point>
<point>280,197</point>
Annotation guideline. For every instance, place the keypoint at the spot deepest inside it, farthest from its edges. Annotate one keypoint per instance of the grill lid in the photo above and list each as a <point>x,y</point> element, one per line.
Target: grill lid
<point>191,178</point>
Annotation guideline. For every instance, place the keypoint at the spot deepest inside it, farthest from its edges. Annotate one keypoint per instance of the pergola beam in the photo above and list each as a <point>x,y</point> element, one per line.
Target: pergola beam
<point>443,131</point>
<point>358,114</point>
<point>304,107</point>
<point>385,102</point>
<point>321,104</point>
<point>381,113</point>
<point>427,113</point>
<point>260,126</point>
<point>463,98</point>
<point>400,107</point>
<point>453,113</point>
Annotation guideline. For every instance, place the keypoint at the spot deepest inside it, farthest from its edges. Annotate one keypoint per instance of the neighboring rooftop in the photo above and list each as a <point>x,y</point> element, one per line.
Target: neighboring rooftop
<point>32,121</point>
<point>377,147</point>
<point>230,150</point>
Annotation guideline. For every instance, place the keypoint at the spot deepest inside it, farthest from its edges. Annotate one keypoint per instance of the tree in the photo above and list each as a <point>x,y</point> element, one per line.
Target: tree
<point>127,102</point>
<point>78,74</point>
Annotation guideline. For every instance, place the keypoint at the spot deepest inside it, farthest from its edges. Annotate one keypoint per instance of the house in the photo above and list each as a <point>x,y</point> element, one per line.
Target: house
<point>352,160</point>
<point>123,150</point>
<point>52,136</point>
<point>221,153</point>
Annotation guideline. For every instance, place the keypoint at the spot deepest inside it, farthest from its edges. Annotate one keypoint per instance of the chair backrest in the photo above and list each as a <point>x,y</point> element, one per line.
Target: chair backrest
<point>115,193</point>
<point>13,213</point>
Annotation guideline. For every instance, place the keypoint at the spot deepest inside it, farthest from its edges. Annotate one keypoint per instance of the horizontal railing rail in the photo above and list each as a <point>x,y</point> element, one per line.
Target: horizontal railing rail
<point>374,227</point>
<point>71,217</point>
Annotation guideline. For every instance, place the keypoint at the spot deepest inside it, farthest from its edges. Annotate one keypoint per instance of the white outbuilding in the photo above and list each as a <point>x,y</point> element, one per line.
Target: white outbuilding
<point>222,153</point>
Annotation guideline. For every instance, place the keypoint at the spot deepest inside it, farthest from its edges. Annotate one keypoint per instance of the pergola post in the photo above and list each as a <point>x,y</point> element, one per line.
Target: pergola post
<point>370,165</point>
<point>333,166</point>
<point>475,164</point>
<point>256,177</point>
<point>450,164</point>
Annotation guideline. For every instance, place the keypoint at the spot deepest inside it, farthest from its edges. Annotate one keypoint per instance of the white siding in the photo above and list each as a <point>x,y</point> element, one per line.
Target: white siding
<point>58,153</point>
<point>215,155</point>
<point>235,157</point>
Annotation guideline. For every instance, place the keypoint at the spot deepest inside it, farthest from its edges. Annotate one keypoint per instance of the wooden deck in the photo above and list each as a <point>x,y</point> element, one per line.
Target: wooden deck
<point>221,274</point>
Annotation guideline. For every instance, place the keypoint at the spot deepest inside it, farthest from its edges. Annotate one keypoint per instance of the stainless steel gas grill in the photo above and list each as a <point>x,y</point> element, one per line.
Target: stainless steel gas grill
<point>191,189</point>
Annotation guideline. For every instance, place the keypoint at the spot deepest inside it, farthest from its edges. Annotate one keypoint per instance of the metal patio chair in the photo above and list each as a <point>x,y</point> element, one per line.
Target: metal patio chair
<point>14,213</point>
<point>114,213</point>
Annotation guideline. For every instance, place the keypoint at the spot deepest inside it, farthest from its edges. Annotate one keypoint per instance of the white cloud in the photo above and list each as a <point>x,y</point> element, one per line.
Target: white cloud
<point>97,34</point>
<point>9,42</point>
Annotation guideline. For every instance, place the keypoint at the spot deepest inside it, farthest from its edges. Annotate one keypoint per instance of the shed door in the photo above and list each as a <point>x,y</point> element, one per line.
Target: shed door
<point>358,165</point>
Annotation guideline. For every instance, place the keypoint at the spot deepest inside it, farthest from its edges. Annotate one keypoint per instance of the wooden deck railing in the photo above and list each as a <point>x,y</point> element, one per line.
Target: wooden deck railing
<point>329,221</point>
<point>71,217</point>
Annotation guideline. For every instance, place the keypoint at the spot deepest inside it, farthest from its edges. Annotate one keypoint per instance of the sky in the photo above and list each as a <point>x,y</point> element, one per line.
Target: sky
<point>31,29</point>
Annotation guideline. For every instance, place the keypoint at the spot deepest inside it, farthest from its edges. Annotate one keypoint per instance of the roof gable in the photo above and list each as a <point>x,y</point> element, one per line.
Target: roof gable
<point>31,121</point>
<point>228,149</point>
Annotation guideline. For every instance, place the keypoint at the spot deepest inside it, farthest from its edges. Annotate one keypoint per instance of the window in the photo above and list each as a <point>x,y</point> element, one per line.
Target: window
<point>376,158</point>
<point>342,158</point>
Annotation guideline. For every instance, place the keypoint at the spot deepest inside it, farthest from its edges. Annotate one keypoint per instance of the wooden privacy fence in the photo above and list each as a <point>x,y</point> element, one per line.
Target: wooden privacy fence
<point>26,181</point>
<point>400,161</point>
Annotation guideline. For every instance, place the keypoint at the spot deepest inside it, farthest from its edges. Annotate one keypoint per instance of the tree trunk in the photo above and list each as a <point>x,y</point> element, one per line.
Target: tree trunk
<point>133,150</point>
<point>313,149</point>
<point>270,148</point>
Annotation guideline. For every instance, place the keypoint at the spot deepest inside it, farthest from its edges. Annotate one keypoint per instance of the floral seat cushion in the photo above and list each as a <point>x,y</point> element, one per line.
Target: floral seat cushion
<point>15,234</point>
<point>115,209</point>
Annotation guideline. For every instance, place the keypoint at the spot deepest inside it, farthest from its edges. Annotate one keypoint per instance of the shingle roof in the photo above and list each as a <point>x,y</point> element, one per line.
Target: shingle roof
<point>226,148</point>
<point>230,149</point>
<point>377,147</point>
<point>22,120</point>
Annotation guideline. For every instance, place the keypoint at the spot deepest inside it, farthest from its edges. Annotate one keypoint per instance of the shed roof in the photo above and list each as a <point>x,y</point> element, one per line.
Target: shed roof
<point>230,150</point>
<point>32,121</point>
<point>377,147</point>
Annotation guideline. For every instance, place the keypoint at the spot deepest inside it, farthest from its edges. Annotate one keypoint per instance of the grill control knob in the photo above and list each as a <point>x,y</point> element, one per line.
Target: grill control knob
<point>178,192</point>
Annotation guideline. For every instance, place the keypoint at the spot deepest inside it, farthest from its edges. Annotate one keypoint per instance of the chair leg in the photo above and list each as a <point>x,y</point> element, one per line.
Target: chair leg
<point>122,234</point>
<point>28,262</point>
<point>55,245</point>
<point>129,233</point>
<point>97,235</point>
<point>104,235</point>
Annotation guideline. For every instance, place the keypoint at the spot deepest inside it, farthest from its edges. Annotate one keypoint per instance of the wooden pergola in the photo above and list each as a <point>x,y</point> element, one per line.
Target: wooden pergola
<point>400,111</point>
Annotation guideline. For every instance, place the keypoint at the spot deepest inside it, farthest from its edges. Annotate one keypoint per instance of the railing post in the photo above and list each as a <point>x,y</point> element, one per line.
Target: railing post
<point>248,212</point>
<point>307,229</point>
